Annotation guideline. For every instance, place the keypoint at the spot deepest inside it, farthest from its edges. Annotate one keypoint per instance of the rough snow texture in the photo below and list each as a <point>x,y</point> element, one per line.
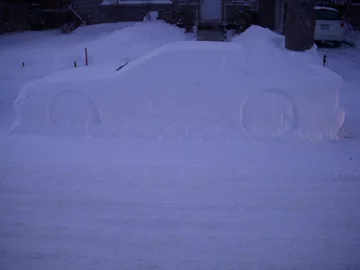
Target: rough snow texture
<point>145,204</point>
<point>211,91</point>
<point>70,216</point>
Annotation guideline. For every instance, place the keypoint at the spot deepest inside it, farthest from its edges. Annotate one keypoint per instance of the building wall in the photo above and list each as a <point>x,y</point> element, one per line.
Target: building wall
<point>93,12</point>
<point>13,16</point>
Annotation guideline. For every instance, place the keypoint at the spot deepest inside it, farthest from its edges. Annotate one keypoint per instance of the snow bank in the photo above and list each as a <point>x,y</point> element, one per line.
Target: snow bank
<point>326,8</point>
<point>108,44</point>
<point>126,44</point>
<point>271,45</point>
<point>46,52</point>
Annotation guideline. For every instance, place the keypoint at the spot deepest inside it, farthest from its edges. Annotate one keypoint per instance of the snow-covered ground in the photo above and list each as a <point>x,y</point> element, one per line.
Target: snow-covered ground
<point>82,203</point>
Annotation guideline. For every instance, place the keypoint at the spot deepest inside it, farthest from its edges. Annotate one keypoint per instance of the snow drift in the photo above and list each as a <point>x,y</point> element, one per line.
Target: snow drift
<point>131,42</point>
<point>271,45</point>
<point>47,52</point>
<point>193,90</point>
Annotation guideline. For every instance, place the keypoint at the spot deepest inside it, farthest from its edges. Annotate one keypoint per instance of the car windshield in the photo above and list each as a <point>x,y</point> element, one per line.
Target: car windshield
<point>325,14</point>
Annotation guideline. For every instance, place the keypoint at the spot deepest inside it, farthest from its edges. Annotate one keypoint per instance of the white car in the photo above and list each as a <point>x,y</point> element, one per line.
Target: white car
<point>187,90</point>
<point>329,26</point>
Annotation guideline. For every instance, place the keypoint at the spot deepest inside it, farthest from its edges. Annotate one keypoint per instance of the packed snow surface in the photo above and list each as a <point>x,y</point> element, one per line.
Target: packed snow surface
<point>178,189</point>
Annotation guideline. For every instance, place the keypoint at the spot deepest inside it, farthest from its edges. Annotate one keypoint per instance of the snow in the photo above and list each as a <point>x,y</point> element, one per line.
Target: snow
<point>345,61</point>
<point>326,8</point>
<point>271,44</point>
<point>127,44</point>
<point>45,53</point>
<point>241,94</point>
<point>112,44</point>
<point>143,205</point>
<point>196,198</point>
<point>351,36</point>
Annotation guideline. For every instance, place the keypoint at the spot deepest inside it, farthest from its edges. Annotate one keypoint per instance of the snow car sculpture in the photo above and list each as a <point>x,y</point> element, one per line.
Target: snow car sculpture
<point>187,90</point>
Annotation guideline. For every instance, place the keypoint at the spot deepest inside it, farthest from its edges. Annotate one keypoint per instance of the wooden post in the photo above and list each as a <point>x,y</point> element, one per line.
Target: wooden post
<point>86,57</point>
<point>300,25</point>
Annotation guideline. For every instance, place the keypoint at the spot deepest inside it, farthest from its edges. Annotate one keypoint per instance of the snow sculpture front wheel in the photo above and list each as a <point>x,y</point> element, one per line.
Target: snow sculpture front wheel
<point>73,109</point>
<point>268,113</point>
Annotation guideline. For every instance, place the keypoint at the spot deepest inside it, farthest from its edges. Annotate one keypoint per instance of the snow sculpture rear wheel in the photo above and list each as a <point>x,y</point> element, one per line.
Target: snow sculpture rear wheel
<point>73,109</point>
<point>268,113</point>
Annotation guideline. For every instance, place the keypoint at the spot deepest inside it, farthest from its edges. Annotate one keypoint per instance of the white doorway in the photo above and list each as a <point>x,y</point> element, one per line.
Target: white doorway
<point>211,10</point>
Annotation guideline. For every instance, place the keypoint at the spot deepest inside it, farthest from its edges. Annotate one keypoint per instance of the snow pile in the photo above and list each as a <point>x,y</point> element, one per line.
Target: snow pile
<point>326,8</point>
<point>46,52</point>
<point>126,44</point>
<point>271,45</point>
<point>49,51</point>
